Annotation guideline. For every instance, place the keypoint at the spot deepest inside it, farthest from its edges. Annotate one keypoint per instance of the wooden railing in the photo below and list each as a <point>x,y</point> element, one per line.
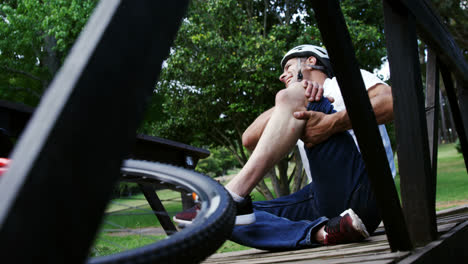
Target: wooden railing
<point>416,133</point>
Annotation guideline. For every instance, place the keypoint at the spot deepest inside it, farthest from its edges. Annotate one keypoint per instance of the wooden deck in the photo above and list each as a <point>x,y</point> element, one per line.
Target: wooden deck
<point>451,222</point>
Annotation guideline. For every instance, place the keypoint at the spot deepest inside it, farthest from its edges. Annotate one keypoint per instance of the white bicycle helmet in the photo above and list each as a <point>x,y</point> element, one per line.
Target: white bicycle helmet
<point>308,50</point>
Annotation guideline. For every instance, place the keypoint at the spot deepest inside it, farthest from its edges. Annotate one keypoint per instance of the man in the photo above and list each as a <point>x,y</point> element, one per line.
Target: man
<point>328,210</point>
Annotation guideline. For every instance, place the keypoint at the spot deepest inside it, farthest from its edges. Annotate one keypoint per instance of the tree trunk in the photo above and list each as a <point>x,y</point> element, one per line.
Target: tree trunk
<point>274,181</point>
<point>299,172</point>
<point>283,177</point>
<point>51,59</point>
<point>263,189</point>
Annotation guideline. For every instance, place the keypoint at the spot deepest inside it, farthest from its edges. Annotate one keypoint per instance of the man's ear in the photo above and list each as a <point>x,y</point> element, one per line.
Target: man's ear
<point>312,60</point>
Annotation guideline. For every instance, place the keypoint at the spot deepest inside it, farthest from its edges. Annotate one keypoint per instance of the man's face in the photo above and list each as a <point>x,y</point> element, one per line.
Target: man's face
<point>290,71</point>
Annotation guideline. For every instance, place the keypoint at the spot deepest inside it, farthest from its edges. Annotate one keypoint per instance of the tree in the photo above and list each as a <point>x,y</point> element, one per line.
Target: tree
<point>224,65</point>
<point>35,37</point>
<point>218,163</point>
<point>455,16</point>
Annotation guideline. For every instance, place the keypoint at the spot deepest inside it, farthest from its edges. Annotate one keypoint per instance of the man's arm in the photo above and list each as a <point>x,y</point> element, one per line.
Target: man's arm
<point>321,126</point>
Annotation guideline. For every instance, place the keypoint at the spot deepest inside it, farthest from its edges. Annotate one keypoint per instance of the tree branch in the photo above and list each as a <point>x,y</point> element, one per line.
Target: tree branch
<point>239,140</point>
<point>36,94</point>
<point>231,147</point>
<point>27,74</point>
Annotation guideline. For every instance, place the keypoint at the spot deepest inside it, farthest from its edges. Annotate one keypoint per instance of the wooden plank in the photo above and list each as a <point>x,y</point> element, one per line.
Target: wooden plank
<point>449,248</point>
<point>434,33</point>
<point>410,124</point>
<point>85,124</point>
<point>340,49</point>
<point>371,243</point>
<point>368,258</point>
<point>304,255</point>
<point>456,113</point>
<point>432,110</point>
<point>455,210</point>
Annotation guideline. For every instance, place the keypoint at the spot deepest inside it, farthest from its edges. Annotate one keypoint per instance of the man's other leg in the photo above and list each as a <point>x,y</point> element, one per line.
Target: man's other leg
<point>340,177</point>
<point>278,138</point>
<point>287,222</point>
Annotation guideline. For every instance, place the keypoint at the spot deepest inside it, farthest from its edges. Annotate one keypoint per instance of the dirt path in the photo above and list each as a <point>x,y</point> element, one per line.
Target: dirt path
<point>152,231</point>
<point>448,204</point>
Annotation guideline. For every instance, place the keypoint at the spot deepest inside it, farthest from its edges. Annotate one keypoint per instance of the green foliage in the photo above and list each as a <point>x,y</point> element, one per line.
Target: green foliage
<point>35,37</point>
<point>217,163</point>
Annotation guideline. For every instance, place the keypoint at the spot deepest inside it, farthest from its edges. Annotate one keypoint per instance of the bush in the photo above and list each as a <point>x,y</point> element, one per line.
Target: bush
<point>125,189</point>
<point>458,146</point>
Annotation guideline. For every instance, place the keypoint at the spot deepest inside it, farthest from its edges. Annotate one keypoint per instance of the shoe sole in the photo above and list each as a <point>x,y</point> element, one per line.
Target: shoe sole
<point>245,219</point>
<point>240,220</point>
<point>181,223</point>
<point>357,222</point>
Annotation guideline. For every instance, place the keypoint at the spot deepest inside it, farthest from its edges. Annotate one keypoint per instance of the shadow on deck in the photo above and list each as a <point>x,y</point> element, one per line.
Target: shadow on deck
<point>452,226</point>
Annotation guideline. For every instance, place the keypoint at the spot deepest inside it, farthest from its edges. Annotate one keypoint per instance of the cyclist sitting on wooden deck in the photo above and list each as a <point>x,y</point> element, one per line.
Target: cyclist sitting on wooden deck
<point>338,205</point>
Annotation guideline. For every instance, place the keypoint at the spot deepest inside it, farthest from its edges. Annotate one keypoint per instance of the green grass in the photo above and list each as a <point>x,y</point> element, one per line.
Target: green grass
<point>107,244</point>
<point>141,216</point>
<point>452,178</point>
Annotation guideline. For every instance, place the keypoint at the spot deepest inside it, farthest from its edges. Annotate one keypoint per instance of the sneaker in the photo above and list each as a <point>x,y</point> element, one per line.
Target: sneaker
<point>244,216</point>
<point>345,228</point>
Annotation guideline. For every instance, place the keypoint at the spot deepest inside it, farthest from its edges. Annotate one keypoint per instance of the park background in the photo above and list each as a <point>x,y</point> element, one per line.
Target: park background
<point>222,72</point>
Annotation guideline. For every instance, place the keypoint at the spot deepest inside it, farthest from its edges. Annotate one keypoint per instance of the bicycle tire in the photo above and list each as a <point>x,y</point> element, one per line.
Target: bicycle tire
<point>212,226</point>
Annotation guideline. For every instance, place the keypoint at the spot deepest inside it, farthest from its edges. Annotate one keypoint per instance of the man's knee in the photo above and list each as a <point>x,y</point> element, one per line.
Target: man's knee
<point>291,97</point>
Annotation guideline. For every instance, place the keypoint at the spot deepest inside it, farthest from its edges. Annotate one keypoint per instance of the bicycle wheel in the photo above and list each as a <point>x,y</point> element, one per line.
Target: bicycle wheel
<point>212,226</point>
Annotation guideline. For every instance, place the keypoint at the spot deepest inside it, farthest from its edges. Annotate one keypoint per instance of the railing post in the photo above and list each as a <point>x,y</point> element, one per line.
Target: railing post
<point>432,117</point>
<point>410,123</point>
<point>338,42</point>
<point>456,113</point>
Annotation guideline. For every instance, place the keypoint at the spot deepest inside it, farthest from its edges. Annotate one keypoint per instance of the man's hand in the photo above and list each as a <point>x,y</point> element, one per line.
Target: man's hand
<point>319,127</point>
<point>313,90</point>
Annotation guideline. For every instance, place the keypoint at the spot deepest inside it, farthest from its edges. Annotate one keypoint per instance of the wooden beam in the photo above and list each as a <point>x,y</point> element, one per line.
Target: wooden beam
<point>442,116</point>
<point>433,31</point>
<point>432,117</point>
<point>456,114</point>
<point>338,42</point>
<point>66,163</point>
<point>410,123</point>
<point>462,94</point>
<point>449,248</point>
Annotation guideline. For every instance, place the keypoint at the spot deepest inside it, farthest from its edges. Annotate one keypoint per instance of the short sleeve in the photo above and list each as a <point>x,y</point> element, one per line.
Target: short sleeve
<point>370,79</point>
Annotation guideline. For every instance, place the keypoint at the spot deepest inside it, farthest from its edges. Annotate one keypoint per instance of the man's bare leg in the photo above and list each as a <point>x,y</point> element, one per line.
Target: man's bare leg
<point>278,138</point>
